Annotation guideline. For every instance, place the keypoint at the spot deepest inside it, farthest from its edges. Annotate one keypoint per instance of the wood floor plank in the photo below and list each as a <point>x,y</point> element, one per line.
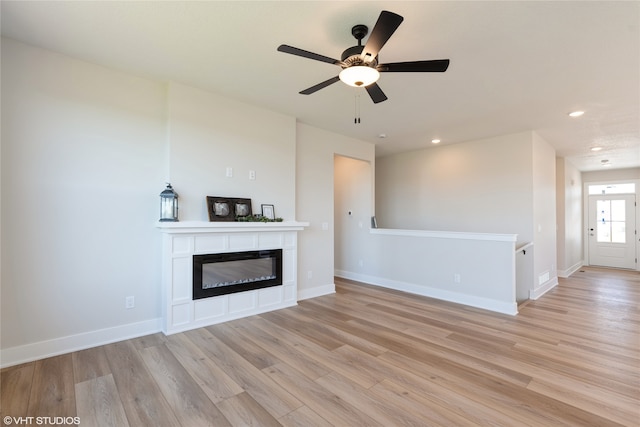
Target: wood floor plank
<point>276,400</point>
<point>537,367</point>
<point>322,401</point>
<point>399,341</point>
<point>250,351</point>
<point>517,404</point>
<point>590,372</point>
<point>614,407</point>
<point>212,379</point>
<point>149,341</point>
<point>338,336</point>
<point>99,404</point>
<point>266,335</point>
<point>597,351</point>
<point>53,388</point>
<point>18,380</point>
<point>140,395</point>
<point>412,388</point>
<point>243,410</point>
<point>294,320</point>
<point>187,400</point>
<point>89,364</point>
<point>420,406</point>
<point>303,417</point>
<point>330,360</point>
<point>382,409</point>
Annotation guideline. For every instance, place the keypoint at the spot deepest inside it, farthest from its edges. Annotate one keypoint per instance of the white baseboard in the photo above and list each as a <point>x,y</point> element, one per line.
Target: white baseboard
<point>568,272</point>
<point>43,349</point>
<point>427,291</point>
<point>544,288</point>
<point>317,291</point>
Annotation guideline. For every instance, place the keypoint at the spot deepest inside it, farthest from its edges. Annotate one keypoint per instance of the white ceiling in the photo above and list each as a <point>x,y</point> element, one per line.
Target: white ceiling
<point>515,65</point>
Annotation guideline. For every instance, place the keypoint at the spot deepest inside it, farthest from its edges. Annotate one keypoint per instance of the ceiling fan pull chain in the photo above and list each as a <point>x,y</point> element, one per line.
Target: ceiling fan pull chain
<point>356,107</point>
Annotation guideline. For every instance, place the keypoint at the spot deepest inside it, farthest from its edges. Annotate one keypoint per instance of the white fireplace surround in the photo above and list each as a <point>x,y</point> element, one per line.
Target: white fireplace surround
<point>182,240</point>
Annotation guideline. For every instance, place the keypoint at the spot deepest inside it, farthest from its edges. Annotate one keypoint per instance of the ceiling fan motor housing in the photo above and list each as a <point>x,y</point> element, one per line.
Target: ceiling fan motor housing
<point>351,56</point>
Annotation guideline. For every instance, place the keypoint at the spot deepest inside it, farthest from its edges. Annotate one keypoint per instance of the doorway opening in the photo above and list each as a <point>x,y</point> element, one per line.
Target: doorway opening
<point>612,225</point>
<point>353,207</point>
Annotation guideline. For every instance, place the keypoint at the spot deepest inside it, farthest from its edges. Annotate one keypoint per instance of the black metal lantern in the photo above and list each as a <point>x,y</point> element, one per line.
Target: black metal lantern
<point>169,205</point>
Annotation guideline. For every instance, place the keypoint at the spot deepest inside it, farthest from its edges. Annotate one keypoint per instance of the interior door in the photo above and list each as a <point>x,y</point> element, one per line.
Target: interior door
<point>612,227</point>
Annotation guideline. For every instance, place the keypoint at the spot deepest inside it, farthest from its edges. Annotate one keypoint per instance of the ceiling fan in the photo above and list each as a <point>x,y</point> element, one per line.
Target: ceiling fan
<point>360,67</point>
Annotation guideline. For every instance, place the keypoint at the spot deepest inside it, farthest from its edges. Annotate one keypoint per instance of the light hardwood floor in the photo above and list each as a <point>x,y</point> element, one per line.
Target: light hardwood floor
<point>365,356</point>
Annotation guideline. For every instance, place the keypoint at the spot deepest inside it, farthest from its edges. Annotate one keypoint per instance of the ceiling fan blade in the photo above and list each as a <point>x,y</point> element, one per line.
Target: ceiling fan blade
<point>319,86</point>
<point>434,66</point>
<point>376,94</point>
<point>387,24</point>
<point>306,54</point>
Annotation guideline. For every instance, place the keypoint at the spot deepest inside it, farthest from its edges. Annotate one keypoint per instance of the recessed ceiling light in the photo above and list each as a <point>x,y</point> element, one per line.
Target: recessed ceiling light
<point>596,148</point>
<point>576,113</point>
<point>435,141</point>
<point>382,136</point>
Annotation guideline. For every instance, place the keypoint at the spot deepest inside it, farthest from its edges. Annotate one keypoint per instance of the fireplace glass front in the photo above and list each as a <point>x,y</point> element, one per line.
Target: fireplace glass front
<point>226,273</point>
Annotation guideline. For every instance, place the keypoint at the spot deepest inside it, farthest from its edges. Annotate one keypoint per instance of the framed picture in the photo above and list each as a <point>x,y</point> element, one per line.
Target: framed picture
<point>227,208</point>
<point>268,212</point>
<point>242,208</point>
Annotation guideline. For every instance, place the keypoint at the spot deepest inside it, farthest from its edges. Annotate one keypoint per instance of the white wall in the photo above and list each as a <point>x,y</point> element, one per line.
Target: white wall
<point>208,133</point>
<point>315,153</point>
<point>478,186</point>
<point>475,269</point>
<point>469,269</point>
<point>610,175</point>
<point>544,215</point>
<point>464,268</point>
<point>569,216</point>
<point>82,167</point>
<point>504,184</point>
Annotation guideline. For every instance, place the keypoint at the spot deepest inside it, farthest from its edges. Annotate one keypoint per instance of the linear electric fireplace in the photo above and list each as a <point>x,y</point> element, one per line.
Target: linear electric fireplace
<point>227,273</point>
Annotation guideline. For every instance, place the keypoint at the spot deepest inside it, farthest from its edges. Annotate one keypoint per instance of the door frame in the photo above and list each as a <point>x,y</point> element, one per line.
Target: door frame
<point>585,216</point>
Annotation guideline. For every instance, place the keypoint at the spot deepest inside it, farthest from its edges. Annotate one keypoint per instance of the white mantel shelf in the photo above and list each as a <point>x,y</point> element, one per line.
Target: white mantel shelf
<point>191,227</point>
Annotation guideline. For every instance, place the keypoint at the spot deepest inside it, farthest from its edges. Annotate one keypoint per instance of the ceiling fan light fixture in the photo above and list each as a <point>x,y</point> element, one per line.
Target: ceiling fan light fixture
<point>359,75</point>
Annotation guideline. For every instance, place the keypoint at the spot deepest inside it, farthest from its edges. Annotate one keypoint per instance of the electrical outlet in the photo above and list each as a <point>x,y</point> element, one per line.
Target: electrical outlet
<point>129,302</point>
<point>309,274</point>
<point>456,278</point>
<point>252,175</point>
<point>229,172</point>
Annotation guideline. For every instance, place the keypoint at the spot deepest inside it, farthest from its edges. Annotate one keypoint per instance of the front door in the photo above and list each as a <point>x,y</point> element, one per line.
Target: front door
<point>612,231</point>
